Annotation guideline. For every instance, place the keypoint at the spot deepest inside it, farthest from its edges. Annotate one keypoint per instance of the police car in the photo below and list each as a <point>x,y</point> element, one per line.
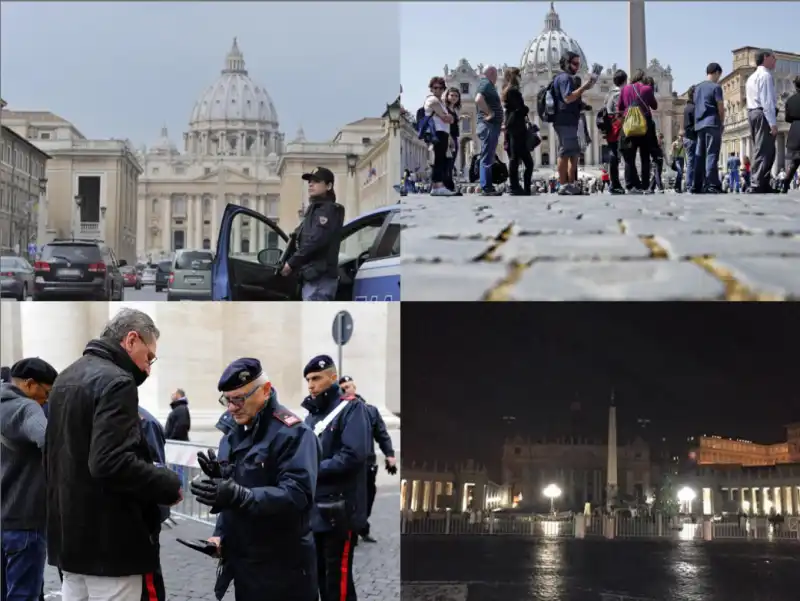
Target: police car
<point>251,250</point>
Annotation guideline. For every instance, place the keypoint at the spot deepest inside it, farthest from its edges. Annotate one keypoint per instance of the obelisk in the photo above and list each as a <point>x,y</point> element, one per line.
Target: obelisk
<point>637,37</point>
<point>611,467</point>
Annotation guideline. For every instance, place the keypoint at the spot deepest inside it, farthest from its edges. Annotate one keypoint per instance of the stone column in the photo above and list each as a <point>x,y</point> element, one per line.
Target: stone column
<point>166,225</point>
<point>537,154</point>
<point>141,227</point>
<point>56,332</point>
<point>188,239</point>
<point>236,242</point>
<point>214,222</point>
<point>667,130</point>
<point>611,468</point>
<point>637,36</point>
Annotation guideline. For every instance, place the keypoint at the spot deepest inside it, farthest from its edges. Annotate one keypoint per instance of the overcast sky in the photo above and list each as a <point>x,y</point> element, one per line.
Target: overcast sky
<point>123,69</point>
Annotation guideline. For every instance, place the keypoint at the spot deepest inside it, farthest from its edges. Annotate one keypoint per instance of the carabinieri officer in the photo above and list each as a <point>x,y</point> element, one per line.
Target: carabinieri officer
<point>262,485</point>
<point>340,510</point>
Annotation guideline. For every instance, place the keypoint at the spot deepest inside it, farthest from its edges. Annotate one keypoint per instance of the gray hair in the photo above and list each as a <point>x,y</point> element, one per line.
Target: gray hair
<point>130,320</point>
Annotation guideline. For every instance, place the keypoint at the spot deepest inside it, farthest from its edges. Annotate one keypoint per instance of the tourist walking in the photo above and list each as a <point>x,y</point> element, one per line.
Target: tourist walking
<point>678,160</point>
<point>709,115</point>
<point>614,129</point>
<point>762,104</point>
<point>792,116</point>
<point>636,95</point>
<point>490,121</point>
<point>690,139</point>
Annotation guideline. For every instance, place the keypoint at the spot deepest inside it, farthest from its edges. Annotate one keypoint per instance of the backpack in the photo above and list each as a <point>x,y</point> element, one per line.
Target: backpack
<point>546,103</point>
<point>603,121</point>
<point>426,130</point>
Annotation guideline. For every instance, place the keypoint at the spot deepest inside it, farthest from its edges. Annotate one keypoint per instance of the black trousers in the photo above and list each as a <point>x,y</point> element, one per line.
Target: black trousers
<point>335,565</point>
<point>153,583</point>
<point>518,149</point>
<point>440,146</point>
<point>372,475</point>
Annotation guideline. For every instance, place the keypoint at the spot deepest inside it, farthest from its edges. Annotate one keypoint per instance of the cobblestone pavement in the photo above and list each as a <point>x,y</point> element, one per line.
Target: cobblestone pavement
<point>189,576</point>
<point>558,248</point>
<point>501,568</point>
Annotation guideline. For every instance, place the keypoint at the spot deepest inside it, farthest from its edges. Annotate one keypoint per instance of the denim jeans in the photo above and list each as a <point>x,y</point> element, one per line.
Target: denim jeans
<point>24,553</point>
<point>706,175</point>
<point>679,163</point>
<point>489,135</point>
<point>691,162</point>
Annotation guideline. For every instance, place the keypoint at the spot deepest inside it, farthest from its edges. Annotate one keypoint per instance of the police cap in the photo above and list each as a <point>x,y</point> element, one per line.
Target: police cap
<point>239,373</point>
<point>344,379</point>
<point>36,369</point>
<point>317,364</point>
<point>319,174</point>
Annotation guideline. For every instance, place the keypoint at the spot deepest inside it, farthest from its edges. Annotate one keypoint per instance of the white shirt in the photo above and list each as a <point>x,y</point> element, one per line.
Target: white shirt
<point>760,90</point>
<point>438,124</point>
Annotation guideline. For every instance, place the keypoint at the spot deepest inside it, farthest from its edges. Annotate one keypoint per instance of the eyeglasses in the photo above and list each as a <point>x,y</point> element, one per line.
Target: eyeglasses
<point>236,400</point>
<point>151,356</point>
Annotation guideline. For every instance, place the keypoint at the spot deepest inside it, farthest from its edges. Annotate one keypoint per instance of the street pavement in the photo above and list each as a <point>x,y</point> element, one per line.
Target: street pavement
<point>600,247</point>
<point>189,576</point>
<point>503,568</point>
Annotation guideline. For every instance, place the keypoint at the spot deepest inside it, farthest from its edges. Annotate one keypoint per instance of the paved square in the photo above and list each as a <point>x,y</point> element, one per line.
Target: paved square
<point>600,247</point>
<point>190,576</point>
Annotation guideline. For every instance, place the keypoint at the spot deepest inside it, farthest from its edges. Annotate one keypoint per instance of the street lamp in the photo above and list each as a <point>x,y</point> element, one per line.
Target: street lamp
<point>394,111</point>
<point>352,161</point>
<point>552,492</point>
<point>77,218</point>
<point>686,495</point>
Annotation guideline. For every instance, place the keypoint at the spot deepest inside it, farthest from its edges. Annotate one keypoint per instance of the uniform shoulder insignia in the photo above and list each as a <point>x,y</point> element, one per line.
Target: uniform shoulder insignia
<point>287,417</point>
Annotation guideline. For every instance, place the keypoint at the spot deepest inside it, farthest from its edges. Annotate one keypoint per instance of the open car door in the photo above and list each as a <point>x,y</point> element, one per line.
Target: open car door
<point>378,276</point>
<point>251,250</point>
<point>359,238</point>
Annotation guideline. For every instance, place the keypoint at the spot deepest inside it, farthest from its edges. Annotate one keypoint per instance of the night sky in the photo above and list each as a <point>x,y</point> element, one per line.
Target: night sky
<point>729,369</point>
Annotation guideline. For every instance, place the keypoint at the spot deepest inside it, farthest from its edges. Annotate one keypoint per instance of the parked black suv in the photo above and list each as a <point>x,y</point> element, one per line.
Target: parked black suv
<point>163,271</point>
<point>83,269</point>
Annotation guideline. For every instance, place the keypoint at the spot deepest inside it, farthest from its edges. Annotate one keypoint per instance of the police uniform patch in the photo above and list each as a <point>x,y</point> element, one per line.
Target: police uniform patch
<point>287,417</point>
<point>323,220</point>
<point>244,375</point>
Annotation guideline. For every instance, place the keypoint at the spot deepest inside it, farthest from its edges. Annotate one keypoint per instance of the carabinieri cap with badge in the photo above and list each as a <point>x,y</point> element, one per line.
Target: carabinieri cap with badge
<point>319,174</point>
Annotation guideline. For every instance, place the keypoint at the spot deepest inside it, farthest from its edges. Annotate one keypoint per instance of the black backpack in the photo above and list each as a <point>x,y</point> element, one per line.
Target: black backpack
<point>547,116</point>
<point>426,131</point>
<point>603,121</point>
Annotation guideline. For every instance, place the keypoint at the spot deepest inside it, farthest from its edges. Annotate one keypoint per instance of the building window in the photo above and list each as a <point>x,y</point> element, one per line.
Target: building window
<point>464,88</point>
<point>180,170</point>
<point>44,135</point>
<point>246,170</point>
<point>366,141</point>
<point>155,170</point>
<point>207,170</point>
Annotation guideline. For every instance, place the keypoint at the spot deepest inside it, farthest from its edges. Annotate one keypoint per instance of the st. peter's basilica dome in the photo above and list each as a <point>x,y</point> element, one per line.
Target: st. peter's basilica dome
<point>234,97</point>
<point>545,50</point>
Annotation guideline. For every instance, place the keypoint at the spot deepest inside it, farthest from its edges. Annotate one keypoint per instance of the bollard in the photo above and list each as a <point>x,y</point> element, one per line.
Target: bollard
<point>447,522</point>
<point>708,533</point>
<point>580,526</point>
<point>610,525</point>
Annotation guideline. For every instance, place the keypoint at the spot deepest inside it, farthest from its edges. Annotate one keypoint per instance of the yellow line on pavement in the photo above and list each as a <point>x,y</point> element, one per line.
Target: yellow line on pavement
<point>735,291</point>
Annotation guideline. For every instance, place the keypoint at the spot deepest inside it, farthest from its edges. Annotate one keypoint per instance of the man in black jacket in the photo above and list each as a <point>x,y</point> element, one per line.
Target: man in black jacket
<point>179,422</point>
<point>317,239</point>
<point>103,490</point>
<point>379,435</point>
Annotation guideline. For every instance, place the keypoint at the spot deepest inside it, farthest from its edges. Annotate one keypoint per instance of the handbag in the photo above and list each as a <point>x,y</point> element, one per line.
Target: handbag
<point>635,124</point>
<point>532,135</point>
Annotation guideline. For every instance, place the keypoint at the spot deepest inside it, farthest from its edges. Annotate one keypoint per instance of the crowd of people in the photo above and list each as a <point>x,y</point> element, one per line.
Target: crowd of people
<point>86,486</point>
<point>627,124</point>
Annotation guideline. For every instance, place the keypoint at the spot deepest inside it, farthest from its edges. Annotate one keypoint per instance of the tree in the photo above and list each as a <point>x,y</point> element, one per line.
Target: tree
<point>666,498</point>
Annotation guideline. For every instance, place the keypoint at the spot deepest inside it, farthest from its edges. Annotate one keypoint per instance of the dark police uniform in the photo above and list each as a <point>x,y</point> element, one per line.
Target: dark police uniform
<point>269,470</point>
<point>317,240</point>
<point>379,434</point>
<point>342,485</point>
<point>153,583</point>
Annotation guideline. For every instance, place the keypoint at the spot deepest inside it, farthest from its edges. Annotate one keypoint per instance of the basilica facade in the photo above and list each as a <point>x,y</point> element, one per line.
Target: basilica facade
<point>234,152</point>
<point>539,63</point>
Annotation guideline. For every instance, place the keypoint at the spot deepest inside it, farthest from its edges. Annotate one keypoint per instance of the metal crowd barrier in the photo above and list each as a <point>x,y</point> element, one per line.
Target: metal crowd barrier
<point>447,523</point>
<point>182,459</point>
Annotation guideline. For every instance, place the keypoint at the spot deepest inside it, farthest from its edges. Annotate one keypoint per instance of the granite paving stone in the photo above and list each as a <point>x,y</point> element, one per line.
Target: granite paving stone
<point>616,281</point>
<point>681,247</point>
<point>774,277</point>
<point>445,242</point>
<point>572,248</point>
<point>190,576</point>
<point>443,282</point>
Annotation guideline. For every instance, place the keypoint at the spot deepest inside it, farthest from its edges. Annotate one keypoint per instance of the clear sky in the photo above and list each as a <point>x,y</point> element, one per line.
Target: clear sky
<point>122,70</point>
<point>685,35</point>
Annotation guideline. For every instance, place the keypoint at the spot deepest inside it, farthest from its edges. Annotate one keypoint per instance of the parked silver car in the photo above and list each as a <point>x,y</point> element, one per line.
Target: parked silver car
<point>16,277</point>
<point>190,278</point>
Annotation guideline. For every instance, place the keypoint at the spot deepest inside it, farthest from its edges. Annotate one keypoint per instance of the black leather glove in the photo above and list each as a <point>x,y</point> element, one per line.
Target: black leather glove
<point>209,464</point>
<point>392,469</point>
<point>221,494</point>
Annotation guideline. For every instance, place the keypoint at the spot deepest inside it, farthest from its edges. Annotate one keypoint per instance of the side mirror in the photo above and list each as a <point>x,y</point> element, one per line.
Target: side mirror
<point>122,263</point>
<point>269,256</point>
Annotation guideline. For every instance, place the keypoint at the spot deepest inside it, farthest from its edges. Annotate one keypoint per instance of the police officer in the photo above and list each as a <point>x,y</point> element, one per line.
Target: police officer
<point>380,435</point>
<point>316,240</point>
<point>262,485</point>
<point>340,510</point>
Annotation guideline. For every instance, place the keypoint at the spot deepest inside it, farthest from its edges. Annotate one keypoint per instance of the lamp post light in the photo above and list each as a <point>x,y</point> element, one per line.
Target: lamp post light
<point>352,161</point>
<point>77,219</point>
<point>552,492</point>
<point>686,495</point>
<point>394,112</point>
